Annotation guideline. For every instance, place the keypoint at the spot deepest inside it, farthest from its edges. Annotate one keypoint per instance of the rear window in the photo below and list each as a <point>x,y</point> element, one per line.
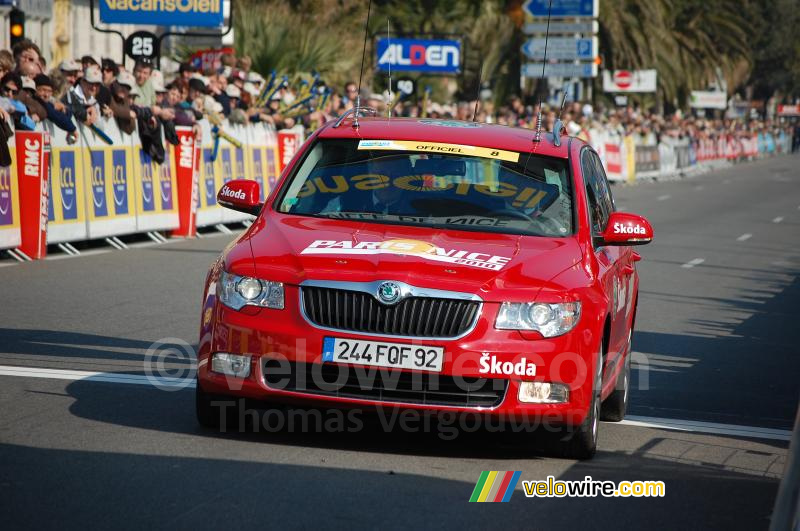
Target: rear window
<point>432,184</point>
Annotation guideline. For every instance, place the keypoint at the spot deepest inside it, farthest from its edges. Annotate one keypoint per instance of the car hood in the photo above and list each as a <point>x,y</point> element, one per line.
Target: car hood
<point>292,249</point>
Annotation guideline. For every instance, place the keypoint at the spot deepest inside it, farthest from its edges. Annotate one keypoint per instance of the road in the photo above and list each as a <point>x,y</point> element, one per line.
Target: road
<point>714,351</point>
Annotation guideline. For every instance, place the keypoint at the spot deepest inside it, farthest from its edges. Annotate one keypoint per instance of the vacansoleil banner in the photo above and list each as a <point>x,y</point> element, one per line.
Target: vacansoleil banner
<point>206,13</point>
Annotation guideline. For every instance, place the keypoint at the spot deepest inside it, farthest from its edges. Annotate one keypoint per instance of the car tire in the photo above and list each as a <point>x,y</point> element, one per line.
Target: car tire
<point>582,441</point>
<point>614,407</point>
<point>207,409</point>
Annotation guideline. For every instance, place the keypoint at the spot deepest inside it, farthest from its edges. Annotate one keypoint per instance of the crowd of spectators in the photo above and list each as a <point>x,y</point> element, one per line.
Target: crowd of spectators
<point>80,92</point>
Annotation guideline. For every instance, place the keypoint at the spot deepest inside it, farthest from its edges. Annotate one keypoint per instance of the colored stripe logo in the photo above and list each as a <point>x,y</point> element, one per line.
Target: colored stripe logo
<point>494,486</point>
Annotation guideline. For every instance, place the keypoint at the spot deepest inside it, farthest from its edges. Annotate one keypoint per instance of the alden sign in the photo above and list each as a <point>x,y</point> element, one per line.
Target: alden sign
<point>206,13</point>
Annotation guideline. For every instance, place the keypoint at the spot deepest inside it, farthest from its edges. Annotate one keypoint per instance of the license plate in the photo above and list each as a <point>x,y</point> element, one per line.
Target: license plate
<point>380,354</point>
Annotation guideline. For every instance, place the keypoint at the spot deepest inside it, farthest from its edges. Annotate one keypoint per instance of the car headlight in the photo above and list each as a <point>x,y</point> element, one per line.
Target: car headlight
<point>236,292</point>
<point>548,319</point>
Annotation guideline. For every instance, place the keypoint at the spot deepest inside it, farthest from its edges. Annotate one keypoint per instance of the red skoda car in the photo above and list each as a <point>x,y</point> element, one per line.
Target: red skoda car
<point>433,265</point>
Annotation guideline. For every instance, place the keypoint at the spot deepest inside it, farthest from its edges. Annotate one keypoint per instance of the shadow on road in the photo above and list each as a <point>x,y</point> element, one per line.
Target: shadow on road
<point>57,343</point>
<point>749,350</point>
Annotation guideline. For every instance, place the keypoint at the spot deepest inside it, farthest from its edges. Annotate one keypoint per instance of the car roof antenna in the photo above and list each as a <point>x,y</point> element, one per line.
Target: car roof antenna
<point>361,72</point>
<point>478,92</point>
<point>538,135</point>
<point>558,124</point>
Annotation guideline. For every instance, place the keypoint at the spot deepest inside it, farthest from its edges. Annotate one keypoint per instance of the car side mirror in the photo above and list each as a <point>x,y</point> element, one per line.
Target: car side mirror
<point>241,195</point>
<point>626,229</point>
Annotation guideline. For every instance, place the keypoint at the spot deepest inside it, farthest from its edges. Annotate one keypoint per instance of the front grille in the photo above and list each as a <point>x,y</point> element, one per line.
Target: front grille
<point>382,385</point>
<point>359,311</point>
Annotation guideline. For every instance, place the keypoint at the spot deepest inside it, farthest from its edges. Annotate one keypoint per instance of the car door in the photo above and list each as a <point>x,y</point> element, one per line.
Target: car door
<point>625,270</point>
<point>601,204</point>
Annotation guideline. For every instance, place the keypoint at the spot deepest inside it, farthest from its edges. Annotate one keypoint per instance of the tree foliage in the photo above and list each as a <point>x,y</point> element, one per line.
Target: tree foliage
<point>752,44</point>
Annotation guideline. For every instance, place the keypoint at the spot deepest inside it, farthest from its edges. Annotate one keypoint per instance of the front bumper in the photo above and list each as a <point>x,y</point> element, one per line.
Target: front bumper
<point>283,341</point>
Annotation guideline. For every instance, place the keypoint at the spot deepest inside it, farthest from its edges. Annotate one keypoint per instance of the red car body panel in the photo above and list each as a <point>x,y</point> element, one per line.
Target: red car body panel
<point>540,269</point>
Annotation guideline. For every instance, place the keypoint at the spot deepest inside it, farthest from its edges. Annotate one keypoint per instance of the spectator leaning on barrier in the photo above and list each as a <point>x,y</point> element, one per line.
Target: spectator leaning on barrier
<point>27,58</point>
<point>6,62</point>
<point>9,90</point>
<point>121,102</point>
<point>236,115</point>
<point>70,70</point>
<point>110,71</point>
<point>28,97</point>
<point>142,71</point>
<point>56,111</point>
<point>185,71</point>
<point>217,91</point>
<point>81,100</point>
<point>87,61</point>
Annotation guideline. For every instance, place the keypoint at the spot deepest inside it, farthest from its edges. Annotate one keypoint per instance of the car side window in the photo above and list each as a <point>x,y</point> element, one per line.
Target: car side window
<point>605,196</point>
<point>598,212</point>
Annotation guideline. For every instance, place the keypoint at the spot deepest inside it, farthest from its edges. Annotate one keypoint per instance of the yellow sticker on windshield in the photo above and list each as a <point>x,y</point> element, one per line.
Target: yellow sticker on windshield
<point>437,147</point>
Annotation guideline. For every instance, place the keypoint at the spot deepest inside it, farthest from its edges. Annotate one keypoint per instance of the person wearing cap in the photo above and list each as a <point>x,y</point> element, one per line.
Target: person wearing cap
<point>56,111</point>
<point>81,100</point>
<point>237,78</point>
<point>235,115</point>
<point>70,71</point>
<point>10,86</point>
<point>28,97</point>
<point>121,104</point>
<point>161,108</point>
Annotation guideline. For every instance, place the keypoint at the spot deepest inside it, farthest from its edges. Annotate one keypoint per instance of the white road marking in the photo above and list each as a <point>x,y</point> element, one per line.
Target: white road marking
<point>778,219</point>
<point>691,263</point>
<point>663,197</point>
<point>90,376</point>
<point>752,432</point>
<point>700,187</point>
<point>744,237</point>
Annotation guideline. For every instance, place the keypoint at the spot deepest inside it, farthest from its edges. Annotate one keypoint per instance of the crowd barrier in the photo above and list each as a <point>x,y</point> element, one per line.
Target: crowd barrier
<point>56,192</point>
<point>626,160</point>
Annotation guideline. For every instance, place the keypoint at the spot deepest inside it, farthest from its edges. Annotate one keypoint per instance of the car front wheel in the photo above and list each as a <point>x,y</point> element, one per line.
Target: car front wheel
<point>582,442</point>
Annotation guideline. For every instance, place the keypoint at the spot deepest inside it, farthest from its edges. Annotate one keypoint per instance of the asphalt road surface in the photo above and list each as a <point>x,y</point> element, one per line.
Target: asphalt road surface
<point>86,441</point>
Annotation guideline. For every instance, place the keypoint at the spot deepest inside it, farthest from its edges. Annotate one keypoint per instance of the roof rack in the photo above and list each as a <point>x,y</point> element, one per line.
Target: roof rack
<point>355,111</point>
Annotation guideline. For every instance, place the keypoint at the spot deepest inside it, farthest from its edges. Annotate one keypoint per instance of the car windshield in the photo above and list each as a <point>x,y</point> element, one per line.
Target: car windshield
<point>432,184</point>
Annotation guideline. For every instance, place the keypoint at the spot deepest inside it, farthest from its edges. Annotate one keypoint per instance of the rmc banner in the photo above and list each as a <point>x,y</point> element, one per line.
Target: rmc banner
<point>206,13</point>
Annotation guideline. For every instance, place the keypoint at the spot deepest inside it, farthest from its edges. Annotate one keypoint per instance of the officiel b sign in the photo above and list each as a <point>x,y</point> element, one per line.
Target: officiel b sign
<point>205,13</point>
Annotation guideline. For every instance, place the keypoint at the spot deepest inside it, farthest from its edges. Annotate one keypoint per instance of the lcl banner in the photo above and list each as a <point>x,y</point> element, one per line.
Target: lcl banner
<point>9,204</point>
<point>32,175</point>
<point>186,176</point>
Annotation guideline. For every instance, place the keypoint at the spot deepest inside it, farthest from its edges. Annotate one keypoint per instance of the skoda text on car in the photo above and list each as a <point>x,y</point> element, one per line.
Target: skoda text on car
<point>434,265</point>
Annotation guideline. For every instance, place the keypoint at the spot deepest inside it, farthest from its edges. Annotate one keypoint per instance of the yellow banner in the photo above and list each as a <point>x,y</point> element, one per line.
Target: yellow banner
<point>440,148</point>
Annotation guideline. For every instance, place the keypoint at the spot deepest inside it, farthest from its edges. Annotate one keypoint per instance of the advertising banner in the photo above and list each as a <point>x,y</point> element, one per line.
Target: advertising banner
<point>433,56</point>
<point>203,13</point>
<point>33,189</point>
<point>10,236</point>
<point>288,143</point>
<point>614,162</point>
<point>186,160</point>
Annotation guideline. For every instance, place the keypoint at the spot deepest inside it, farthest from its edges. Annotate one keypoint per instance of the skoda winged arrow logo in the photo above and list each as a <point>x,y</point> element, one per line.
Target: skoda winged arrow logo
<point>389,293</point>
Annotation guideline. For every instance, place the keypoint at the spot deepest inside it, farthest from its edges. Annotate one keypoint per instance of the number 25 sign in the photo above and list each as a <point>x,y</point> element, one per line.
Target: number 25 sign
<point>141,45</point>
